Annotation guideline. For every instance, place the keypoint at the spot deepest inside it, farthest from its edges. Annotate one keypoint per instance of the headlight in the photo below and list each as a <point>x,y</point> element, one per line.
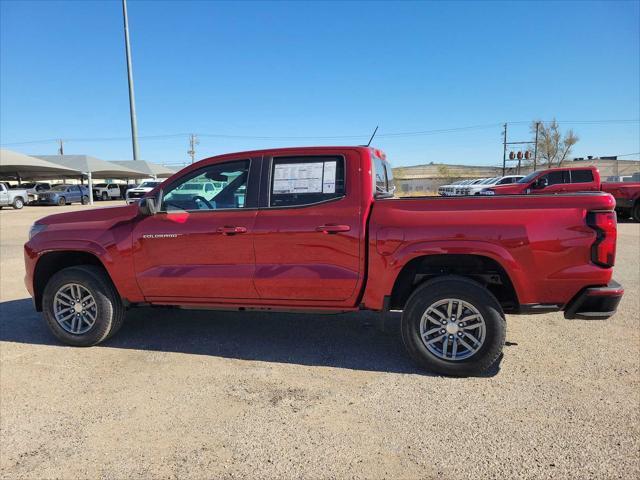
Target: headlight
<point>35,229</point>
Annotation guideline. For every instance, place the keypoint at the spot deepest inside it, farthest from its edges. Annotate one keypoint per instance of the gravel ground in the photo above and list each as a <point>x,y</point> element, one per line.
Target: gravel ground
<point>253,395</point>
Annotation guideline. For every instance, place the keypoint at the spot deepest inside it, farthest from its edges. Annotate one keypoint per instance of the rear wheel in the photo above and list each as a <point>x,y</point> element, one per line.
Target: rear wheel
<point>81,306</point>
<point>18,203</point>
<point>453,326</point>
<point>62,201</point>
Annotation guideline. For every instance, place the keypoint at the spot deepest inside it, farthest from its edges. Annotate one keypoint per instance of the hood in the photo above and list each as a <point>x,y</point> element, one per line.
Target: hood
<point>116,214</point>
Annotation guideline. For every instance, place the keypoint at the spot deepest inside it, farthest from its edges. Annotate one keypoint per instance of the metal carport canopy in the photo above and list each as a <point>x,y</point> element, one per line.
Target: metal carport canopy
<point>153,169</point>
<point>19,166</point>
<point>91,166</point>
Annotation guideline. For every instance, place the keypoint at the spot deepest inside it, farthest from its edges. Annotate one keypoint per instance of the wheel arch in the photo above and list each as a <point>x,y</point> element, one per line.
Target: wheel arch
<point>52,262</point>
<point>482,269</point>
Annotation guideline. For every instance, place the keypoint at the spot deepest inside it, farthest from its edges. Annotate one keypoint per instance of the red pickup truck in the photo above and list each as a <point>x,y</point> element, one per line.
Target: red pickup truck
<point>627,195</point>
<point>319,230</point>
<point>553,180</point>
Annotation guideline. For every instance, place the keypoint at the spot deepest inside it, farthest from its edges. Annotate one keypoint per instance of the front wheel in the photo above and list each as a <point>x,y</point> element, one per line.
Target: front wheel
<point>85,200</point>
<point>81,306</point>
<point>105,196</point>
<point>453,326</point>
<point>18,203</point>
<point>62,201</point>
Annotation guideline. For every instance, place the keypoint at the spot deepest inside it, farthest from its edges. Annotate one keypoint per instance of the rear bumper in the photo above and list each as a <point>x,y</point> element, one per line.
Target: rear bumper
<point>595,303</point>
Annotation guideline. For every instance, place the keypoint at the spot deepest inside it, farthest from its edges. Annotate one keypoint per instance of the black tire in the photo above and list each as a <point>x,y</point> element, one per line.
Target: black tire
<point>110,311</point>
<point>635,211</point>
<point>18,203</point>
<point>85,200</point>
<point>105,196</point>
<point>62,201</point>
<point>468,291</point>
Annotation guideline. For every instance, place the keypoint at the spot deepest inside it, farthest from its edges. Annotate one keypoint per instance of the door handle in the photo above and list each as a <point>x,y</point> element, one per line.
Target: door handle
<point>231,230</point>
<point>333,228</point>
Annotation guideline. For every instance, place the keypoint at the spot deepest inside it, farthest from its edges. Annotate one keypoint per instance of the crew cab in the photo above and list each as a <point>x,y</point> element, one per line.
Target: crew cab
<point>106,191</point>
<point>627,195</point>
<point>319,230</point>
<point>553,180</point>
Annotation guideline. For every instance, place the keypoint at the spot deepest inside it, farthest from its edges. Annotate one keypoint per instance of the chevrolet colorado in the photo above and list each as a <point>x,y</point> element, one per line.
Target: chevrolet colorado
<point>319,230</point>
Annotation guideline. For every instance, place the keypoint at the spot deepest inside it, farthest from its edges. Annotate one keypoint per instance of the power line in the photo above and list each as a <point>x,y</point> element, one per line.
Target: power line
<point>328,137</point>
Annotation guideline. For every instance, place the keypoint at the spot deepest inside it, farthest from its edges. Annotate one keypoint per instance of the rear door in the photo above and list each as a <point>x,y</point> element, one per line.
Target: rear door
<point>198,248</point>
<point>582,180</point>
<point>309,231</point>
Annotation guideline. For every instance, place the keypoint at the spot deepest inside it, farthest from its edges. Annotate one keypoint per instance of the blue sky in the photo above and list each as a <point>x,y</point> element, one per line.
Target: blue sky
<point>318,70</point>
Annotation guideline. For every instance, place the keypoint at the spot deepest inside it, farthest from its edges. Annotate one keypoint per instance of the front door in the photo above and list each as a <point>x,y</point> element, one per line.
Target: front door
<point>199,245</point>
<point>309,232</point>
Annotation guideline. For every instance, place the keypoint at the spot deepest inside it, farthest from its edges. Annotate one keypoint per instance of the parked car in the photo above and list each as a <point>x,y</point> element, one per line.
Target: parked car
<point>15,198</point>
<point>136,193</point>
<point>478,187</point>
<point>63,194</point>
<point>318,229</point>
<point>106,191</point>
<point>553,180</point>
<point>627,195</point>
<point>34,188</point>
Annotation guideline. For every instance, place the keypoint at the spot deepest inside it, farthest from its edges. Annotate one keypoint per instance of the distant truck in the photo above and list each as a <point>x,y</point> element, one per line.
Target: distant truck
<point>134,194</point>
<point>627,195</point>
<point>15,198</point>
<point>553,180</point>
<point>320,230</point>
<point>106,191</point>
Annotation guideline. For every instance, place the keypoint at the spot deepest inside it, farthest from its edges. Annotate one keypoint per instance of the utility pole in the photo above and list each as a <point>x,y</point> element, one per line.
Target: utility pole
<point>193,141</point>
<point>60,147</point>
<point>535,148</point>
<point>504,151</point>
<point>132,100</point>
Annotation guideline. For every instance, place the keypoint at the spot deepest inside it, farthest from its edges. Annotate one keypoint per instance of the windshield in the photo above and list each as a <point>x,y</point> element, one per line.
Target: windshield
<point>149,184</point>
<point>27,185</point>
<point>100,185</point>
<point>488,181</point>
<point>528,178</point>
<point>59,188</point>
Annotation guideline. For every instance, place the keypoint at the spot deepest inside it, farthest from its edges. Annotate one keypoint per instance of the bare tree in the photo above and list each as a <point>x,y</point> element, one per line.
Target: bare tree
<point>553,147</point>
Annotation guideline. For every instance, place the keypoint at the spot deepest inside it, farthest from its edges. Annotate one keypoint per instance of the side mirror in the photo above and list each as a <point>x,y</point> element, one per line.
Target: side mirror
<point>542,182</point>
<point>147,206</point>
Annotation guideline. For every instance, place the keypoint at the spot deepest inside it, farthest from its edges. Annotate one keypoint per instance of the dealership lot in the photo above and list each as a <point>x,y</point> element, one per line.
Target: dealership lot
<point>208,394</point>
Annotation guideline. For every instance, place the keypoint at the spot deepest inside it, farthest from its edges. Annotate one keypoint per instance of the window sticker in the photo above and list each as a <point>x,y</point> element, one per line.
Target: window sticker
<point>329,178</point>
<point>298,178</point>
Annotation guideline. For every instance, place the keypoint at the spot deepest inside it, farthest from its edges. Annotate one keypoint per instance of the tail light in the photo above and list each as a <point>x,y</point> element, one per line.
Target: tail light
<point>603,250</point>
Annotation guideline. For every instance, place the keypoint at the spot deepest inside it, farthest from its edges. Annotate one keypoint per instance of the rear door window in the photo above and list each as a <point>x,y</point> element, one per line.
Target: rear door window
<point>581,176</point>
<point>305,180</point>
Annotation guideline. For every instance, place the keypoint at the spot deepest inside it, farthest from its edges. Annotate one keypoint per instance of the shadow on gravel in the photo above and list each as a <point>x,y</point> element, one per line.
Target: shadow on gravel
<point>343,341</point>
